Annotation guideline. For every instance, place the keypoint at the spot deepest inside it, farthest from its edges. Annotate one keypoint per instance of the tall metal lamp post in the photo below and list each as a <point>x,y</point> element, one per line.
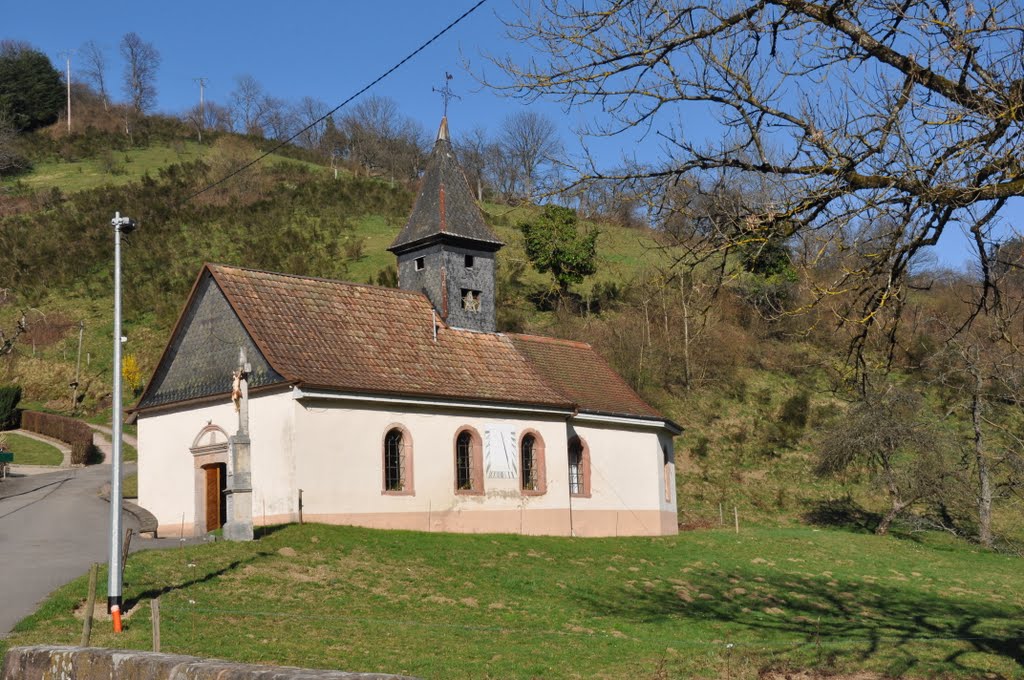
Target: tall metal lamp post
<point>122,225</point>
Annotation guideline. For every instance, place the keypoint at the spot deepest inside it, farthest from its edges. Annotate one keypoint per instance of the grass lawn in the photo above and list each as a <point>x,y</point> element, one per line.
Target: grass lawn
<point>89,173</point>
<point>130,486</point>
<point>704,604</point>
<point>121,168</point>
<point>128,452</point>
<point>29,451</point>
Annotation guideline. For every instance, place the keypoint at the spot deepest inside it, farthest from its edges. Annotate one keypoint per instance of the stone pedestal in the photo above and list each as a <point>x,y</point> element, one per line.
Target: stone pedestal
<point>239,492</point>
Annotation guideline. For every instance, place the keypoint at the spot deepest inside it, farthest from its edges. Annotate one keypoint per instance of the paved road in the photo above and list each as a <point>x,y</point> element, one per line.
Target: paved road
<point>52,527</point>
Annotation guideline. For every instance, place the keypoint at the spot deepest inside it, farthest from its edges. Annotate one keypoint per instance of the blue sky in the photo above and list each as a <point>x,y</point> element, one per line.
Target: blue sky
<point>327,50</point>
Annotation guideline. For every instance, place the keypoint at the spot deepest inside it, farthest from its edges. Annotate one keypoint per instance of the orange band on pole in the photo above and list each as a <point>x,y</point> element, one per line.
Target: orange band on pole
<point>115,614</point>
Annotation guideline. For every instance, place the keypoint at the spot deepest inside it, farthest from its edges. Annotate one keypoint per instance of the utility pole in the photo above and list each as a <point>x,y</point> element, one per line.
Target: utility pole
<point>121,225</point>
<point>67,56</point>
<point>202,107</point>
<point>78,369</point>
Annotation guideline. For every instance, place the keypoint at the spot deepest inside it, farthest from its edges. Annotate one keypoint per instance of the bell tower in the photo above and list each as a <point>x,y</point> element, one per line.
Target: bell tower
<point>446,250</point>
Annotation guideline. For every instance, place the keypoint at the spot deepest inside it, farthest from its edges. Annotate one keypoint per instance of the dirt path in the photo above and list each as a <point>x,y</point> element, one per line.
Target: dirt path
<point>101,440</point>
<point>128,438</point>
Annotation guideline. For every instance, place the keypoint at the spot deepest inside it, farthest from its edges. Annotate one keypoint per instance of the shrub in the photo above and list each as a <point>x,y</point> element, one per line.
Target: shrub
<point>796,410</point>
<point>70,431</point>
<point>353,247</point>
<point>9,414</point>
<point>785,431</point>
<point>131,373</point>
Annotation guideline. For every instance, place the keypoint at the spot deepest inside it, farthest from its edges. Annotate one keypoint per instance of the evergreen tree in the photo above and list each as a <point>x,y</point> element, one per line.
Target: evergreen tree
<point>554,244</point>
<point>31,91</point>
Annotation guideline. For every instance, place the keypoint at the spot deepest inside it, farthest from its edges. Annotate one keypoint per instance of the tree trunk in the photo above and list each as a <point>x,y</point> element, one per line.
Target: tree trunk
<point>883,527</point>
<point>686,335</point>
<point>984,483</point>
<point>895,504</point>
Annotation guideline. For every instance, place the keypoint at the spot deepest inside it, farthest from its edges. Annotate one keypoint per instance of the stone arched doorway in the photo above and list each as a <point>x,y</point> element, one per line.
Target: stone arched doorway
<point>210,460</point>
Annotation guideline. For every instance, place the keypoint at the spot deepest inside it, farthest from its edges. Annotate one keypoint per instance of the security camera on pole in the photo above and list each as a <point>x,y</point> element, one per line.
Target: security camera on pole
<point>122,225</point>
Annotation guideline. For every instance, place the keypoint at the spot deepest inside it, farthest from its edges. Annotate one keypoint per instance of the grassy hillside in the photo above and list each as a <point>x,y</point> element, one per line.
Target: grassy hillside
<point>286,215</point>
<point>705,604</point>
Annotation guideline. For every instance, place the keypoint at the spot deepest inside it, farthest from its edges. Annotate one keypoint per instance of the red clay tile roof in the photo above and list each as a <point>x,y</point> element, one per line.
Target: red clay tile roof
<point>582,375</point>
<point>369,339</point>
<point>364,339</point>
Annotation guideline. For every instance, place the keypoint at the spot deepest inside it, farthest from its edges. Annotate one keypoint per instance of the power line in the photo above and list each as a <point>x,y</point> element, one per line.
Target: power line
<point>327,115</point>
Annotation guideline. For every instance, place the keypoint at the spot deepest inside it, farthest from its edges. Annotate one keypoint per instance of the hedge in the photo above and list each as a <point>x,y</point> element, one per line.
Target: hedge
<point>70,431</point>
<point>9,398</point>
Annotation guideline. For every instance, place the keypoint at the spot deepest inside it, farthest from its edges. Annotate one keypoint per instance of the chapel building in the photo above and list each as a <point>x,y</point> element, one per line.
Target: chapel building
<point>399,408</point>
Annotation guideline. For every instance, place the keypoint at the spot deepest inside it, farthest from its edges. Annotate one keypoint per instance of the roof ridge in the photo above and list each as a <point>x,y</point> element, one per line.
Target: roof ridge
<point>529,337</point>
<point>320,279</point>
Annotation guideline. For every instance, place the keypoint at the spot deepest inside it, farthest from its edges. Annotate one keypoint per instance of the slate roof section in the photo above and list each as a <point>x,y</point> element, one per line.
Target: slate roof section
<point>203,352</point>
<point>444,204</point>
<point>582,376</point>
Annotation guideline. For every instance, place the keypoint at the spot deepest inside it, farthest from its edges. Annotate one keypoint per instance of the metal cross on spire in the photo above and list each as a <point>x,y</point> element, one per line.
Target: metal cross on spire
<point>446,92</point>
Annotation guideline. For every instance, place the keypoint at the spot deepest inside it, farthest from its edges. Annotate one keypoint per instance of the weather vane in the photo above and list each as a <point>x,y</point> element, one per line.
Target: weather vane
<point>446,92</point>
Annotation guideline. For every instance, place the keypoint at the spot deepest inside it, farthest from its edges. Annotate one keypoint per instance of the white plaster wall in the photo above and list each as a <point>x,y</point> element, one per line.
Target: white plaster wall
<point>332,450</point>
<point>167,485</point>
<point>626,468</point>
<point>340,445</point>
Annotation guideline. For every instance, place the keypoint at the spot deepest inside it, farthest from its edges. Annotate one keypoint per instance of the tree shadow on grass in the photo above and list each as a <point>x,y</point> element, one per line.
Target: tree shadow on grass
<point>263,530</point>
<point>842,513</point>
<point>854,620</point>
<point>154,593</point>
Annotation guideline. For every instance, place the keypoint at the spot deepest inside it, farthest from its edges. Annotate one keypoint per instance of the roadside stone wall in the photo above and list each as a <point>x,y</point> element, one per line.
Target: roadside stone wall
<point>81,663</point>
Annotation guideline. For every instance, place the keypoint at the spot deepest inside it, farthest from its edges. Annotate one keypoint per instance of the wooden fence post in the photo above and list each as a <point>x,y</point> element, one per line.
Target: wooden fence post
<point>154,606</point>
<point>90,606</point>
<point>124,552</point>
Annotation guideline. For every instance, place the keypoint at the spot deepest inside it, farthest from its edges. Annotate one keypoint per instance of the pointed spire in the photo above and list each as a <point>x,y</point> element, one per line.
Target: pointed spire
<point>445,205</point>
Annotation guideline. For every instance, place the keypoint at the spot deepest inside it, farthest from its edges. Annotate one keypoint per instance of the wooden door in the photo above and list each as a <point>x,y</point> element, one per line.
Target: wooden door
<point>213,496</point>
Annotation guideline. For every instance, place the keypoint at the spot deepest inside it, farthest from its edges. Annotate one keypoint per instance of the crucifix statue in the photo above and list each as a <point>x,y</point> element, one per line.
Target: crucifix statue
<point>239,492</point>
<point>240,391</point>
<point>446,92</point>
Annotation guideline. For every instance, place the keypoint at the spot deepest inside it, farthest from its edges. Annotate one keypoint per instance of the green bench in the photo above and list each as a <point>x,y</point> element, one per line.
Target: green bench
<point>6,458</point>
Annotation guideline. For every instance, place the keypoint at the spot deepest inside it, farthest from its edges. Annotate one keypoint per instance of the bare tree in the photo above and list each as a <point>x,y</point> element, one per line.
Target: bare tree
<point>885,435</point>
<point>94,69</point>
<point>251,105</point>
<point>12,48</point>
<point>982,368</point>
<point>11,160</point>
<point>279,119</point>
<point>307,113</point>
<point>8,340</point>
<point>379,138</point>
<point>530,140</point>
<point>473,156</point>
<point>141,63</point>
<point>211,116</point>
<point>502,171</point>
<point>853,112</point>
